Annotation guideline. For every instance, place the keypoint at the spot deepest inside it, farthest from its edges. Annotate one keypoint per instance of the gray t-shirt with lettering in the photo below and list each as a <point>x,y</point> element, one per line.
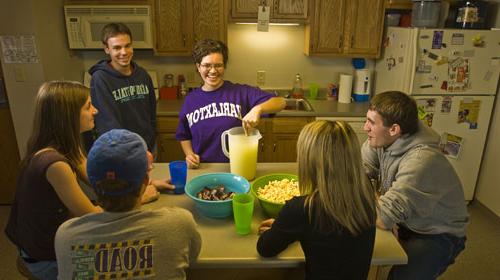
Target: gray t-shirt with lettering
<point>139,244</point>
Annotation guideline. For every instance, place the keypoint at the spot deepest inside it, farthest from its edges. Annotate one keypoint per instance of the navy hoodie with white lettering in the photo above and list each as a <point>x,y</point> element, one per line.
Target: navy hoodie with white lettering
<point>126,102</point>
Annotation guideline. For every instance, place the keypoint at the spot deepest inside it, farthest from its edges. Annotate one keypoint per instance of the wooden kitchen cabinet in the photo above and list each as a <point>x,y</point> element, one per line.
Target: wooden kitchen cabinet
<point>399,4</point>
<point>179,24</point>
<point>279,142</point>
<point>350,28</point>
<point>289,11</point>
<point>107,2</point>
<point>262,127</point>
<point>169,149</point>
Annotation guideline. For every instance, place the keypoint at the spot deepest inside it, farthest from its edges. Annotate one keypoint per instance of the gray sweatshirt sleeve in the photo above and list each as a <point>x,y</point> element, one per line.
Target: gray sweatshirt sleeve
<point>423,178</point>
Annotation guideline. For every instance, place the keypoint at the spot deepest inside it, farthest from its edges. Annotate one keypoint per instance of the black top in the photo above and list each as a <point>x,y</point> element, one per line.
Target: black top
<point>37,211</point>
<point>328,256</point>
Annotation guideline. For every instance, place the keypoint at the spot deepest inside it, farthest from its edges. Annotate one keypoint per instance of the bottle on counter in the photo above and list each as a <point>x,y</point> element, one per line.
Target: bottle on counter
<point>332,93</point>
<point>169,80</point>
<point>181,81</point>
<point>297,91</point>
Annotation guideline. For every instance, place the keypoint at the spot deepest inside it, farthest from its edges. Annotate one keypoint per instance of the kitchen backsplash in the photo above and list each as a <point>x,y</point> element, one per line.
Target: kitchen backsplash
<point>278,52</point>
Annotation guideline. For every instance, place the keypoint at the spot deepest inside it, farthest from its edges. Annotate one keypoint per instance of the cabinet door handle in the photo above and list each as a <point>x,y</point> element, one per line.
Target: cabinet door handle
<point>261,147</point>
<point>341,41</point>
<point>274,147</point>
<point>184,40</point>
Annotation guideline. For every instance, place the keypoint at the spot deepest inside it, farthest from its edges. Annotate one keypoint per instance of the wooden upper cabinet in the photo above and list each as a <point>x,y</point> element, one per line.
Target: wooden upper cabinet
<point>289,11</point>
<point>345,28</point>
<point>400,4</point>
<point>172,27</point>
<point>107,2</point>
<point>210,20</point>
<point>364,27</point>
<point>326,31</point>
<point>244,9</point>
<point>180,23</point>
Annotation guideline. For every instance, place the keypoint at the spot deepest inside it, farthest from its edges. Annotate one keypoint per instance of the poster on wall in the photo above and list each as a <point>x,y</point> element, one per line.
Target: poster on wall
<point>19,49</point>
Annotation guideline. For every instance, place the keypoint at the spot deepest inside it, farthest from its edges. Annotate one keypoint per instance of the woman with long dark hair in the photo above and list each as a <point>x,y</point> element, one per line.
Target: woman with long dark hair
<point>47,191</point>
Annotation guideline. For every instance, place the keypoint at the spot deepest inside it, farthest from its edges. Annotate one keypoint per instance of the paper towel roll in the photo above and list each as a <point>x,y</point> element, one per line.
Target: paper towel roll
<point>345,88</point>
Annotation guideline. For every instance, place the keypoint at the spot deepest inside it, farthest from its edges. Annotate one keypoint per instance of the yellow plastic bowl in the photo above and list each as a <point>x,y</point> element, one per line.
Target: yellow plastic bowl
<point>270,208</point>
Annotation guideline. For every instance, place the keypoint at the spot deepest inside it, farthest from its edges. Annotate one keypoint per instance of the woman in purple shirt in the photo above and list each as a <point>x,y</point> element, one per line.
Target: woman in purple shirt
<point>217,106</point>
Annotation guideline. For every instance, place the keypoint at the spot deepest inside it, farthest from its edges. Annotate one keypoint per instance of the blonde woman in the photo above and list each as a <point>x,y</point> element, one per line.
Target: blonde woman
<point>334,218</point>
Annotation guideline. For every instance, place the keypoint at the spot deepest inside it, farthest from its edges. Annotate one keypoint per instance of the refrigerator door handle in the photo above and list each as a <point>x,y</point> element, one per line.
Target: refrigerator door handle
<point>413,50</point>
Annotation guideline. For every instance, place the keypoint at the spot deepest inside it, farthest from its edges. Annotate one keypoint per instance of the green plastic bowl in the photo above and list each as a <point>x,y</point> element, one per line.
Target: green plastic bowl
<point>271,209</point>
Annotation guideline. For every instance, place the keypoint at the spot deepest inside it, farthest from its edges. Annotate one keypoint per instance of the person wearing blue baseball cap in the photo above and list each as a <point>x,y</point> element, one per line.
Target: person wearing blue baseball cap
<point>125,241</point>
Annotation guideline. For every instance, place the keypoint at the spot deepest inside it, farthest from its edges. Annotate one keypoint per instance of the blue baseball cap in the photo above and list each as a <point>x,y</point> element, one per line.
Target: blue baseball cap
<point>118,154</point>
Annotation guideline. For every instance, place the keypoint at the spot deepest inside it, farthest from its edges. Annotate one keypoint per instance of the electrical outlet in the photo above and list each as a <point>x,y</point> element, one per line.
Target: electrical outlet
<point>261,77</point>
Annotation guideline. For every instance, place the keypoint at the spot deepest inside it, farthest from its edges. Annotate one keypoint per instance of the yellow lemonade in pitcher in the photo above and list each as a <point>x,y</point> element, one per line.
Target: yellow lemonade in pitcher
<point>243,155</point>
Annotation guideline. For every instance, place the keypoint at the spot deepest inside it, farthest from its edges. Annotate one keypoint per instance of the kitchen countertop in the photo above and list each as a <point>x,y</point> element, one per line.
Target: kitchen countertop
<point>322,108</point>
<point>240,251</point>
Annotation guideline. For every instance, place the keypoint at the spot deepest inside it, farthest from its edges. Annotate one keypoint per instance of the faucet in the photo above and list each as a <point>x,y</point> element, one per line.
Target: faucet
<point>277,93</point>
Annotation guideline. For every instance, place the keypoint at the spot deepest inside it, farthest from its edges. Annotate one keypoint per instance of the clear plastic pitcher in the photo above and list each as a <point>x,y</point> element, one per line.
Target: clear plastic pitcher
<point>243,150</point>
<point>425,13</point>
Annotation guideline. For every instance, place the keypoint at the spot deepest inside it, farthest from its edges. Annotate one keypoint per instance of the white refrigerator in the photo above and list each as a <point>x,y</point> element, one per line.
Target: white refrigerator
<point>453,74</point>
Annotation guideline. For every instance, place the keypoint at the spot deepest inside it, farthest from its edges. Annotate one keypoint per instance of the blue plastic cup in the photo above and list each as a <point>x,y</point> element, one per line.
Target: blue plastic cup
<point>178,175</point>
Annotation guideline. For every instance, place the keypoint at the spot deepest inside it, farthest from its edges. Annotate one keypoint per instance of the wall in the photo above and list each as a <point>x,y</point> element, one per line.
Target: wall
<point>278,52</point>
<point>20,94</point>
<point>488,188</point>
<point>45,20</point>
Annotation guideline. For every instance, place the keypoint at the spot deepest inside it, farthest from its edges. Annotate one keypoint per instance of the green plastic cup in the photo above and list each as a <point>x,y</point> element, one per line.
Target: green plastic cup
<point>243,212</point>
<point>313,90</point>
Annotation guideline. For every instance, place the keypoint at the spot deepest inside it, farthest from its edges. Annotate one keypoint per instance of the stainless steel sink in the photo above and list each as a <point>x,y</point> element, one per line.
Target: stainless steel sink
<point>293,104</point>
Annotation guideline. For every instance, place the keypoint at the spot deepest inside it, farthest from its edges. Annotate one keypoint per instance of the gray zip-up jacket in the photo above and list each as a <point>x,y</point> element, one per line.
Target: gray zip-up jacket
<point>420,188</point>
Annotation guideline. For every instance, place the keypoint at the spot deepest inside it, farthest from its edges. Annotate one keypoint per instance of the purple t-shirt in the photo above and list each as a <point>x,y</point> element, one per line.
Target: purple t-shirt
<point>206,114</point>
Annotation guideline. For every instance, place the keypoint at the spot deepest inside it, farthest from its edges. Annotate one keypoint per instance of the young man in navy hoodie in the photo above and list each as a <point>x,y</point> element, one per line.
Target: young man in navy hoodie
<point>121,90</point>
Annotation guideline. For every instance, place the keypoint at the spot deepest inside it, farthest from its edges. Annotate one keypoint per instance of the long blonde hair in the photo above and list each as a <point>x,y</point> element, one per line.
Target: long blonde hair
<point>331,174</point>
<point>56,121</point>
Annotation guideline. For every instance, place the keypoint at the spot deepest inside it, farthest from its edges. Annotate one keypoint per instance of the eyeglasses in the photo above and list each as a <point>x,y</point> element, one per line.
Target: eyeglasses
<point>208,66</point>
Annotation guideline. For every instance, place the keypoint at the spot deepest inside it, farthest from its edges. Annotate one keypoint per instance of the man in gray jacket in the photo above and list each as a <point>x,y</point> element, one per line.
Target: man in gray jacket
<point>421,197</point>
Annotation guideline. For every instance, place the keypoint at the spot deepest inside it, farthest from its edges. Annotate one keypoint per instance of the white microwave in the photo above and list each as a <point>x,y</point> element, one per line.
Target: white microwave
<point>84,24</point>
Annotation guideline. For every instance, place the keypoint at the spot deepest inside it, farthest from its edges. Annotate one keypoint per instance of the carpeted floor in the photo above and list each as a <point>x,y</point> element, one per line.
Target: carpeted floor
<point>479,261</point>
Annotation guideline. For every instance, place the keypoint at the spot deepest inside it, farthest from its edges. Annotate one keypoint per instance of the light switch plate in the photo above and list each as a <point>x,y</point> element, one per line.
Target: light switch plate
<point>261,77</point>
<point>19,74</point>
